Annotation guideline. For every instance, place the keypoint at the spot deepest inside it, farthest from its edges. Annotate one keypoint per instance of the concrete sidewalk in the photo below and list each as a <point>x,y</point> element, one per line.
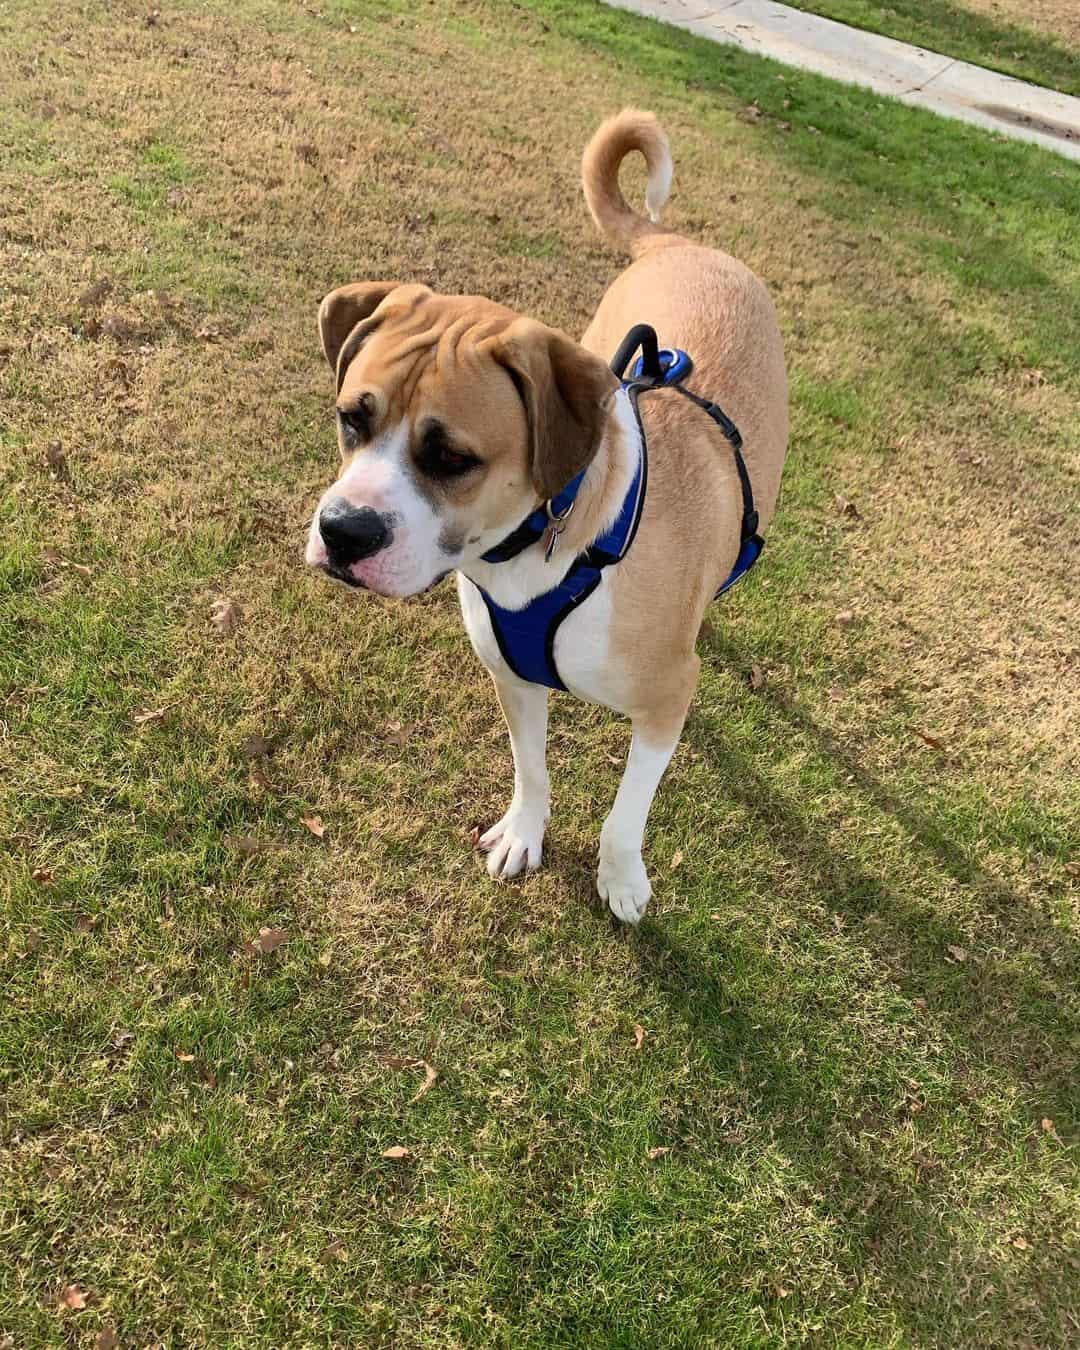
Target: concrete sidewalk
<point>925,79</point>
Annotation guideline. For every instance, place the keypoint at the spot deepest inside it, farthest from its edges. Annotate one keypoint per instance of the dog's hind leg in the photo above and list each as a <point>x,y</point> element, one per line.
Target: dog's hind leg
<point>515,843</point>
<point>621,878</point>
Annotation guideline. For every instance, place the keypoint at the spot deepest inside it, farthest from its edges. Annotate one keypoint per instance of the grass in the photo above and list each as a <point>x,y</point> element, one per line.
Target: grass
<point>859,989</point>
<point>1028,43</point>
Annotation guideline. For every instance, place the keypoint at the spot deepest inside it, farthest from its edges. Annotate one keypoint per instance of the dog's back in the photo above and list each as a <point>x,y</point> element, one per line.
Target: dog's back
<point>697,298</point>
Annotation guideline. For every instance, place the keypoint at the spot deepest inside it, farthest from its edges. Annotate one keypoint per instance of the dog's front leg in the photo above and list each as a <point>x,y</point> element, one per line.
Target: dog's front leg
<point>516,841</point>
<point>621,878</point>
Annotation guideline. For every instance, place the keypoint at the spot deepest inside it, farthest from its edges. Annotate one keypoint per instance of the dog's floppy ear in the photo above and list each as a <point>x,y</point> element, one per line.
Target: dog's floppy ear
<point>566,391</point>
<point>339,314</point>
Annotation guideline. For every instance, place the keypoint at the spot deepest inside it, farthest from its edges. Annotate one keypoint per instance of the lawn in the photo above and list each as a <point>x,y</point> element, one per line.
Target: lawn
<point>828,1092</point>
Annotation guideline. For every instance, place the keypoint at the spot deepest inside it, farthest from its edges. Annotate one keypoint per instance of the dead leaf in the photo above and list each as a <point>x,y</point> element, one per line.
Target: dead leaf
<point>151,715</point>
<point>932,741</point>
<point>326,957</point>
<point>1033,378</point>
<point>431,1076</point>
<point>836,694</point>
<point>256,747</point>
<point>314,824</point>
<point>1021,1244</point>
<point>757,678</point>
<point>33,940</point>
<point>1048,1128</point>
<point>655,1153</point>
<point>184,1057</point>
<point>334,1251</point>
<point>751,113</point>
<point>209,332</point>
<point>210,1079</point>
<point>81,568</point>
<point>268,941</point>
<point>85,922</point>
<point>676,859</point>
<point>106,1339</point>
<point>845,507</point>
<point>93,295</point>
<point>845,618</point>
<point>226,616</point>
<point>474,836</point>
<point>74,1296</point>
<point>639,1036</point>
<point>248,845</point>
<point>116,326</point>
<point>1073,869</point>
<point>55,458</point>
<point>259,776</point>
<point>311,684</point>
<point>956,953</point>
<point>394,1061</point>
<point>398,1151</point>
<point>44,876</point>
<point>397,734</point>
<point>921,1004</point>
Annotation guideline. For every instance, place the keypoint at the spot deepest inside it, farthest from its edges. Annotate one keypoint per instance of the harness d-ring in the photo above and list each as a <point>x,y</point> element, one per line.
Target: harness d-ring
<point>556,525</point>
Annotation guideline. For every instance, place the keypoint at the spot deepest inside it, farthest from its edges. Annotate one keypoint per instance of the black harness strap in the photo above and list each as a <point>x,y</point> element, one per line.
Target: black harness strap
<point>651,373</point>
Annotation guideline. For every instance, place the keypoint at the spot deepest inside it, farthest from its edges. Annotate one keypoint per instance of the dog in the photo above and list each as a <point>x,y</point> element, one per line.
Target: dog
<point>590,523</point>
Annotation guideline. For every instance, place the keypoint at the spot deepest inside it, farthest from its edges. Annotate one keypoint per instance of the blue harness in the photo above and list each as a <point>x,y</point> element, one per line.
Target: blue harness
<point>526,637</point>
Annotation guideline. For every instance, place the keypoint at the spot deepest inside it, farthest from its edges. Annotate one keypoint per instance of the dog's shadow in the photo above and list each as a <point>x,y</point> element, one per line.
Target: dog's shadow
<point>1002,1020</point>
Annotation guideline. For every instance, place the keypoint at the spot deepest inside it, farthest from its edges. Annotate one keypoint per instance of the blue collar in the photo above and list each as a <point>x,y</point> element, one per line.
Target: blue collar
<point>533,527</point>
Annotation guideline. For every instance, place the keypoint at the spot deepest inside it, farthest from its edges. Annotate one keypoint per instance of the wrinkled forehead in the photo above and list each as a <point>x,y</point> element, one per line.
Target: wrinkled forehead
<point>428,355</point>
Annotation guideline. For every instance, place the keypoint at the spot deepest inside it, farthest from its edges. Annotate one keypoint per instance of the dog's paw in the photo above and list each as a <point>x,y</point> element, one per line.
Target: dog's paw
<point>624,884</point>
<point>514,844</point>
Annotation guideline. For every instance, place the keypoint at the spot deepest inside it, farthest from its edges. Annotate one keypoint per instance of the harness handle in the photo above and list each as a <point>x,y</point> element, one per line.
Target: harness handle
<point>644,336</point>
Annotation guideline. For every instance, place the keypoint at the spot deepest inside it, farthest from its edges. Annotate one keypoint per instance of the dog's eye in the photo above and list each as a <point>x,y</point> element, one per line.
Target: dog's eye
<point>439,459</point>
<point>356,418</point>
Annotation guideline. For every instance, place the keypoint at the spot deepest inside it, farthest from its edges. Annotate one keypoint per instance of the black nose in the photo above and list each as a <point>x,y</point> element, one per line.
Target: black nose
<point>351,532</point>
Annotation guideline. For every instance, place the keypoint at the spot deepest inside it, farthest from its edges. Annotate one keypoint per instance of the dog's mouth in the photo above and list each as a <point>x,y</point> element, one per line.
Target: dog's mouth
<point>338,574</point>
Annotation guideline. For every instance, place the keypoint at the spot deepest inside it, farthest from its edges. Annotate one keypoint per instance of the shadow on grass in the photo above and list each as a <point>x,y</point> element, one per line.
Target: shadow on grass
<point>894,1203</point>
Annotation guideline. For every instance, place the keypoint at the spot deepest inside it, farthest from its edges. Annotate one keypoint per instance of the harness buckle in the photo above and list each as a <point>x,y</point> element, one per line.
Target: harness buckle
<point>556,525</point>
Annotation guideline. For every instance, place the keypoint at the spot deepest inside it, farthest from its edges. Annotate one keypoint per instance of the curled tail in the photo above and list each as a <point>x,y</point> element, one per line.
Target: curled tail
<point>616,220</point>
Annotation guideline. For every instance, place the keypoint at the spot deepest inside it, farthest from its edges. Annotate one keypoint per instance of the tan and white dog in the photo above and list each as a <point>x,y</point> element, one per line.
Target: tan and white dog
<point>457,418</point>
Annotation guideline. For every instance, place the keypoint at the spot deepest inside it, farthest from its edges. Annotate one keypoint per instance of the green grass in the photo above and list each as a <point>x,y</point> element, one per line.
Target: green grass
<point>983,40</point>
<point>859,988</point>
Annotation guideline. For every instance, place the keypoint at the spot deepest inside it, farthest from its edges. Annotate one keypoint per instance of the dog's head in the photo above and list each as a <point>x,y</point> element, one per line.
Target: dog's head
<point>456,418</point>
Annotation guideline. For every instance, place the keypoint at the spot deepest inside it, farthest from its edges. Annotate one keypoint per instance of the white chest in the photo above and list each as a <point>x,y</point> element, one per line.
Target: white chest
<point>582,642</point>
